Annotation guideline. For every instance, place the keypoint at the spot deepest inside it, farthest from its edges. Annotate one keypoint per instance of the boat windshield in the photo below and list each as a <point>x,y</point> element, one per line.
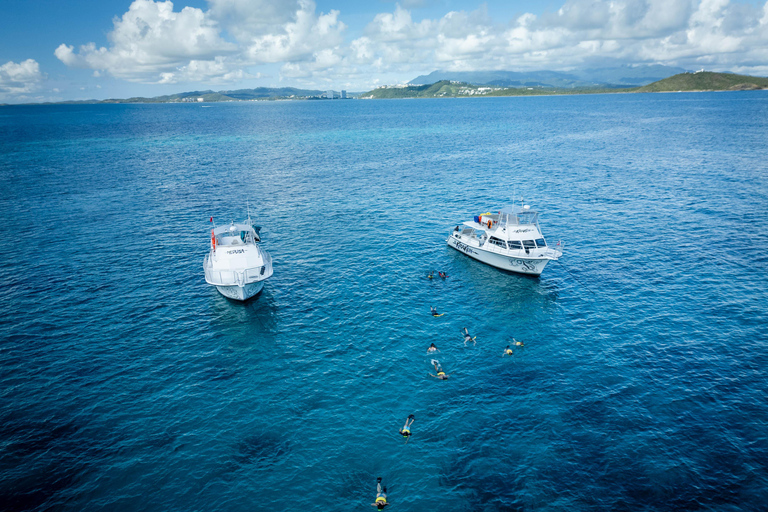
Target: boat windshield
<point>513,216</point>
<point>235,237</point>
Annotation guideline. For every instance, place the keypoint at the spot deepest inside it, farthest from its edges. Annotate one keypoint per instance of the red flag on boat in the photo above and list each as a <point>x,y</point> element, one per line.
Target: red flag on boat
<point>211,220</point>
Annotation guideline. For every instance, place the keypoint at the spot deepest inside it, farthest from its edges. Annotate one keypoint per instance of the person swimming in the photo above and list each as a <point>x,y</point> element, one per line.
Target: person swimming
<point>432,348</point>
<point>431,274</point>
<point>468,337</point>
<point>381,495</point>
<point>518,343</point>
<point>434,311</point>
<point>507,352</point>
<point>440,372</point>
<point>442,274</point>
<point>406,430</point>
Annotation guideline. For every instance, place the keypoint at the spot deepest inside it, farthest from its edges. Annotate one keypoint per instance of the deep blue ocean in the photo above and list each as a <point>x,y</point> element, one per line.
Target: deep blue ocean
<point>128,384</point>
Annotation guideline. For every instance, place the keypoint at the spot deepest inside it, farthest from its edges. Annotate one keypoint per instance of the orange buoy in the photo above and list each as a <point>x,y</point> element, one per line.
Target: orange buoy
<point>489,224</point>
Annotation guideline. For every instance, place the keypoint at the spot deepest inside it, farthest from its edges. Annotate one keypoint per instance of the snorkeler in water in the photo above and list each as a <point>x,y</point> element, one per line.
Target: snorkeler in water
<point>432,348</point>
<point>468,337</point>
<point>431,274</point>
<point>518,343</point>
<point>442,274</point>
<point>381,495</point>
<point>406,430</point>
<point>433,309</point>
<point>507,352</point>
<point>440,372</point>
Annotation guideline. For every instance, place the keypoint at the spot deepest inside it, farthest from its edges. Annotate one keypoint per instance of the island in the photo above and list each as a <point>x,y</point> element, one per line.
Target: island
<point>682,82</point>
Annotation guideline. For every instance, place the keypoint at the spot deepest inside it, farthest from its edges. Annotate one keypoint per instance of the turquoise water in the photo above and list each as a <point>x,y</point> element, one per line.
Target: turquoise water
<point>127,383</point>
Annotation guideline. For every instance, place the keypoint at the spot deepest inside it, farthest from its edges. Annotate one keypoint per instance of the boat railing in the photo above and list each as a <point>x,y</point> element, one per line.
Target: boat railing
<point>238,277</point>
<point>521,253</point>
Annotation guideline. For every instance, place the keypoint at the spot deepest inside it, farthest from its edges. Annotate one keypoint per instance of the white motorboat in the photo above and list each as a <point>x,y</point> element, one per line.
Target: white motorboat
<point>236,265</point>
<point>509,239</point>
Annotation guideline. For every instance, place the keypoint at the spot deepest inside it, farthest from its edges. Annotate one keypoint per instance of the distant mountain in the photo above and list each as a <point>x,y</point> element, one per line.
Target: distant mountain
<point>503,78</point>
<point>260,93</point>
<point>441,89</point>
<point>269,92</point>
<point>698,81</point>
<point>628,75</point>
<point>453,89</point>
<point>622,76</point>
<point>707,81</point>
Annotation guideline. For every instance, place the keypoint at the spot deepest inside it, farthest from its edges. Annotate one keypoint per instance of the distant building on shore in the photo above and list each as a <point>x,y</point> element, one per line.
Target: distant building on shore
<point>343,94</point>
<point>329,95</point>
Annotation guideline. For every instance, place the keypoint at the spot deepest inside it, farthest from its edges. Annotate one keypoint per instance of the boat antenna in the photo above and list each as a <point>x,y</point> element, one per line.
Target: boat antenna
<point>248,208</point>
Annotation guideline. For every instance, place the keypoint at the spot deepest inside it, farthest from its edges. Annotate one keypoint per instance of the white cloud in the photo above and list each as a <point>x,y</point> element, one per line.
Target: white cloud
<point>16,80</point>
<point>224,44</point>
<point>215,71</point>
<point>153,43</point>
<point>722,33</point>
<point>150,40</point>
<point>302,38</point>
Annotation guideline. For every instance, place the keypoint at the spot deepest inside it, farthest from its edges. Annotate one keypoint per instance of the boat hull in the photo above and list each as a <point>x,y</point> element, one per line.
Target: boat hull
<point>244,292</point>
<point>520,265</point>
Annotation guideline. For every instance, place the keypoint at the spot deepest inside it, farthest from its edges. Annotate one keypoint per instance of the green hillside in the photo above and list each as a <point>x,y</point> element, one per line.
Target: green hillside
<point>441,89</point>
<point>706,81</point>
<point>449,89</point>
<point>699,81</point>
<point>173,98</point>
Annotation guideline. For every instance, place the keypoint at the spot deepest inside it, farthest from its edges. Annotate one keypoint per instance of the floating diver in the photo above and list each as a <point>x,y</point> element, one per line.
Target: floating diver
<point>439,369</point>
<point>432,348</point>
<point>381,495</point>
<point>518,343</point>
<point>468,337</point>
<point>433,309</point>
<point>442,274</point>
<point>406,430</point>
<point>431,274</point>
<point>507,352</point>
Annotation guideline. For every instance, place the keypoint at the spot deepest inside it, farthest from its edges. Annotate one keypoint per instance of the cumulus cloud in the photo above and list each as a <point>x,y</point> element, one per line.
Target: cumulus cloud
<point>720,33</point>
<point>149,40</point>
<point>305,37</point>
<point>18,79</point>
<point>153,43</point>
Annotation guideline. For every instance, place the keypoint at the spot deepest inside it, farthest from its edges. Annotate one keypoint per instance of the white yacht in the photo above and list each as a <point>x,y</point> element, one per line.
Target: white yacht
<point>236,265</point>
<point>510,240</point>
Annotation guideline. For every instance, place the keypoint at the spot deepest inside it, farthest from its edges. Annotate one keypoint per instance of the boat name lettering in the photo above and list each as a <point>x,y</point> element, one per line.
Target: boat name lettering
<point>522,230</point>
<point>464,247</point>
<point>526,265</point>
<point>236,251</point>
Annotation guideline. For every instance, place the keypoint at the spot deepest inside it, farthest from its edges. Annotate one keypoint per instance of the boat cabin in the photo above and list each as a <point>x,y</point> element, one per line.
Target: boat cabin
<point>236,234</point>
<point>511,228</point>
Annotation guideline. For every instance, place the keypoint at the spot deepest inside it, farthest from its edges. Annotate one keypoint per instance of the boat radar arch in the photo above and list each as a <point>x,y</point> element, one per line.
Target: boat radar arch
<point>510,239</point>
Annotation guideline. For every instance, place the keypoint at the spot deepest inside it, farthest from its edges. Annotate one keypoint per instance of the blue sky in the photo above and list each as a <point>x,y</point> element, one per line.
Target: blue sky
<point>81,49</point>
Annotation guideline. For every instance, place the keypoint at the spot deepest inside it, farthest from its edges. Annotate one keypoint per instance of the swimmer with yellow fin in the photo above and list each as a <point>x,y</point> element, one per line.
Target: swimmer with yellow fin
<point>406,430</point>
<point>440,372</point>
<point>381,495</point>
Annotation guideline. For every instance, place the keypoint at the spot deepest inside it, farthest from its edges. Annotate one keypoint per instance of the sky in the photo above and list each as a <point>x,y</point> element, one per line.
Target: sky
<point>51,50</point>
